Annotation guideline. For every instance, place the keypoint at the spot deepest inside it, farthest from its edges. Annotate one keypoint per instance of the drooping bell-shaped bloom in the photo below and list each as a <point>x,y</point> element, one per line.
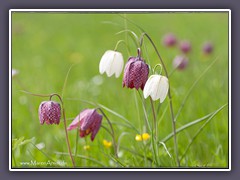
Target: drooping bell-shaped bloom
<point>157,87</point>
<point>135,73</point>
<point>111,63</point>
<point>169,40</point>
<point>207,48</point>
<point>49,112</point>
<point>88,121</point>
<point>180,62</point>
<point>185,46</point>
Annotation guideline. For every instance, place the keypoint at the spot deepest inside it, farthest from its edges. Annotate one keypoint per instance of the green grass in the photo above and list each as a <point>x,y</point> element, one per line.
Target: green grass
<point>45,45</point>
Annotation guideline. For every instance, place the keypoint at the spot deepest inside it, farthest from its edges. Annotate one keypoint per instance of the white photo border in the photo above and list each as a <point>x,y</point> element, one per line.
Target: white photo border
<point>120,10</point>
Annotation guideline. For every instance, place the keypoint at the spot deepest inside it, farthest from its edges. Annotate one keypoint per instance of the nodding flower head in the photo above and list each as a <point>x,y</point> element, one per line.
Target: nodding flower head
<point>49,112</point>
<point>135,72</point>
<point>207,47</point>
<point>185,46</point>
<point>88,121</point>
<point>169,40</point>
<point>157,87</point>
<point>111,63</point>
<point>180,62</point>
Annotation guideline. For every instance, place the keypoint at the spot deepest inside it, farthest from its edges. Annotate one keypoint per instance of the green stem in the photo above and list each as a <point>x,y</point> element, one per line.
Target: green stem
<point>154,118</point>
<point>14,159</point>
<point>65,128</point>
<point>169,95</point>
<point>113,135</point>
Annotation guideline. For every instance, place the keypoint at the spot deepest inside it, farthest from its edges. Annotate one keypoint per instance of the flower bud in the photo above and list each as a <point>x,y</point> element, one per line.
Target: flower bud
<point>135,73</point>
<point>49,112</point>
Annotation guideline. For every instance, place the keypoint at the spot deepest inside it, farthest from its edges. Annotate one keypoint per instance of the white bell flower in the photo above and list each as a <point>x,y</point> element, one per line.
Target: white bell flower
<point>111,62</point>
<point>157,87</point>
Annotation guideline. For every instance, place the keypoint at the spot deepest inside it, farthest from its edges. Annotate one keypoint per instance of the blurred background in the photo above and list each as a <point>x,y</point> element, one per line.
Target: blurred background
<point>45,45</point>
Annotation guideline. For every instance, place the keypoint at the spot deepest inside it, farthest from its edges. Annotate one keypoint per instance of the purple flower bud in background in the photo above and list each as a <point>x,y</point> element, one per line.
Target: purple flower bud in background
<point>207,47</point>
<point>169,40</point>
<point>180,62</point>
<point>49,112</point>
<point>88,121</point>
<point>135,72</point>
<point>185,46</point>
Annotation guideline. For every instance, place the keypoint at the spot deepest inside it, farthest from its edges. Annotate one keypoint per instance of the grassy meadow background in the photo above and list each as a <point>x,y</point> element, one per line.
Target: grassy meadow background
<point>45,45</point>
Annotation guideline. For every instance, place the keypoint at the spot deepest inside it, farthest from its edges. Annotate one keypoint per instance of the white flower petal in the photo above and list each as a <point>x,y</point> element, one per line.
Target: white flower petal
<point>164,86</point>
<point>104,61</point>
<point>149,86</point>
<point>118,64</point>
<point>155,87</point>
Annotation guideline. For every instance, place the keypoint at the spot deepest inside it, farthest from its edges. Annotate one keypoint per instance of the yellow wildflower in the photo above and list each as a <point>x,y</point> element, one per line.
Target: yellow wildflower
<point>143,137</point>
<point>138,137</point>
<point>107,144</point>
<point>86,147</point>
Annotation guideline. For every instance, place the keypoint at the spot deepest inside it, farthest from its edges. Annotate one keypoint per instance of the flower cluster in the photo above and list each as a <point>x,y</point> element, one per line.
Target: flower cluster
<point>180,62</point>
<point>136,75</point>
<point>142,137</point>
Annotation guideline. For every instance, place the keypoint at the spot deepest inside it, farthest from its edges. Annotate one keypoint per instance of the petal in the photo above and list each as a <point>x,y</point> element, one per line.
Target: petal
<point>87,118</point>
<point>96,126</point>
<point>155,87</point>
<point>75,123</point>
<point>148,88</point>
<point>118,64</point>
<point>164,85</point>
<point>104,62</point>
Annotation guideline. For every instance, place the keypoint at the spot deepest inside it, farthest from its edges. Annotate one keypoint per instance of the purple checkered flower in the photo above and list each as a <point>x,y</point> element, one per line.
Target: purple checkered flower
<point>88,121</point>
<point>185,46</point>
<point>180,62</point>
<point>169,40</point>
<point>49,112</point>
<point>207,48</point>
<point>135,72</point>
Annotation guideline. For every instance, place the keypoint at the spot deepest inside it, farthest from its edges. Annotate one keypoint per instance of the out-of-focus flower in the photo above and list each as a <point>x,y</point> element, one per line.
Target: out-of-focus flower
<point>14,72</point>
<point>180,62</point>
<point>169,40</point>
<point>111,63</point>
<point>88,121</point>
<point>207,48</point>
<point>157,87</point>
<point>86,147</point>
<point>135,72</point>
<point>143,137</point>
<point>185,46</point>
<point>107,144</point>
<point>49,112</point>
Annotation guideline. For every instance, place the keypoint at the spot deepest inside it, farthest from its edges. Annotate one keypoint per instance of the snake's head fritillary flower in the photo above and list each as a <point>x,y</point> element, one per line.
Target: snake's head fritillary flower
<point>207,48</point>
<point>157,87</point>
<point>111,63</point>
<point>185,46</point>
<point>169,40</point>
<point>135,72</point>
<point>88,121</point>
<point>49,112</point>
<point>180,62</point>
